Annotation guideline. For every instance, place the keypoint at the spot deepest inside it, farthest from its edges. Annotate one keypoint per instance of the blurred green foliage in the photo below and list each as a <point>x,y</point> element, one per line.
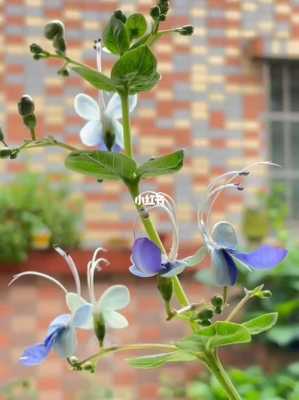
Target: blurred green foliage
<point>252,384</point>
<point>283,281</point>
<point>18,390</point>
<point>34,203</point>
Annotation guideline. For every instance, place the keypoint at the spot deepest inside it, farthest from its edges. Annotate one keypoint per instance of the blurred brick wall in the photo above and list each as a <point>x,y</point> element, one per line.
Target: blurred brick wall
<point>210,100</point>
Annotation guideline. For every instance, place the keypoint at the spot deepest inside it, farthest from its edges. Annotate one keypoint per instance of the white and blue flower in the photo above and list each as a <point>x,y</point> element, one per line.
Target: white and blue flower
<point>61,336</point>
<point>102,118</point>
<point>221,241</point>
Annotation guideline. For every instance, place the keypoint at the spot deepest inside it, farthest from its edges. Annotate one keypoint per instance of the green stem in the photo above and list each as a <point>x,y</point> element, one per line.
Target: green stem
<point>239,306</point>
<point>128,347</point>
<point>46,143</point>
<point>134,190</point>
<point>214,364</point>
<point>33,135</point>
<point>126,124</point>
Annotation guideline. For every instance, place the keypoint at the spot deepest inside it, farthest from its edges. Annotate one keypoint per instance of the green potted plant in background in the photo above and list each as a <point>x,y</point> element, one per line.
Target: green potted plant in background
<point>35,214</point>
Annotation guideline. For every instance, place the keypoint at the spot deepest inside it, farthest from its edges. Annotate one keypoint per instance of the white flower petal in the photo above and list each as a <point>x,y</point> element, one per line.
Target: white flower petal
<point>115,320</point>
<point>113,108</point>
<point>119,135</point>
<point>86,107</point>
<point>66,344</point>
<point>114,298</point>
<point>92,133</point>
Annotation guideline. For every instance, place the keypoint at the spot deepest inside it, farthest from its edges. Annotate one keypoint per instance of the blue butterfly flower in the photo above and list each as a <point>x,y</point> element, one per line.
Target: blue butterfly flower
<point>61,334</point>
<point>61,337</point>
<point>147,258</point>
<point>222,244</point>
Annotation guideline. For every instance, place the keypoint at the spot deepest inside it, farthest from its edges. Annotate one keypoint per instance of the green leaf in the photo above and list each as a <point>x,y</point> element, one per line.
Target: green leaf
<point>95,78</point>
<point>159,360</point>
<point>102,165</point>
<point>228,333</point>
<point>136,70</point>
<point>220,334</point>
<point>162,165</point>
<point>136,26</point>
<point>261,324</point>
<point>115,36</point>
<point>283,335</point>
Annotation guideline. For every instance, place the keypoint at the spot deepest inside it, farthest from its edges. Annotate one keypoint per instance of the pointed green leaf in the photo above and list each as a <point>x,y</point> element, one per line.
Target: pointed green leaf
<point>159,360</point>
<point>136,25</point>
<point>95,78</point>
<point>220,334</point>
<point>261,324</point>
<point>227,334</point>
<point>136,70</point>
<point>162,165</point>
<point>115,36</point>
<point>102,165</point>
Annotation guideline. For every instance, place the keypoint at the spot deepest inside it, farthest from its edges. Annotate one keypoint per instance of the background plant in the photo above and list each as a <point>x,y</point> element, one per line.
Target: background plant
<point>252,383</point>
<point>31,204</point>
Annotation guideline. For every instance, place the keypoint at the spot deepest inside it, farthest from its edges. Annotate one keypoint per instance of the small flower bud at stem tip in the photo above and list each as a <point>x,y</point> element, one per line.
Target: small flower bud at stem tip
<point>26,106</point>
<point>53,29</point>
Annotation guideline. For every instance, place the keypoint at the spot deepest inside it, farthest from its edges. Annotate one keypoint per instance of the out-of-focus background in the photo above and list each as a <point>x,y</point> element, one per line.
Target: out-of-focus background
<point>230,96</point>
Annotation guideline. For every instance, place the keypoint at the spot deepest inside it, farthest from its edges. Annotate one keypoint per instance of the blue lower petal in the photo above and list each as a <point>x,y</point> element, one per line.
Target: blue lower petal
<point>265,257</point>
<point>36,354</point>
<point>224,268</point>
<point>146,256</point>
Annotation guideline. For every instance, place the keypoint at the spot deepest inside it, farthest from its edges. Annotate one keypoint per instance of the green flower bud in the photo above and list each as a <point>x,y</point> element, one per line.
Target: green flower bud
<point>162,17</point>
<point>165,286</point>
<point>64,72</point>
<point>89,366</point>
<point>218,309</point>
<point>164,6</point>
<point>217,301</point>
<point>30,121</point>
<point>155,12</point>
<point>120,15</point>
<point>59,44</point>
<point>205,322</point>
<point>36,49</point>
<point>187,30</point>
<point>99,327</point>
<point>26,106</point>
<point>207,313</point>
<point>5,153</point>
<point>53,29</point>
<point>14,154</point>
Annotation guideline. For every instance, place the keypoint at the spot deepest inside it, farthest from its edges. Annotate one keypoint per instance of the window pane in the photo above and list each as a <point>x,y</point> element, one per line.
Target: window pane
<point>294,86</point>
<point>294,151</point>
<point>277,142</point>
<point>276,87</point>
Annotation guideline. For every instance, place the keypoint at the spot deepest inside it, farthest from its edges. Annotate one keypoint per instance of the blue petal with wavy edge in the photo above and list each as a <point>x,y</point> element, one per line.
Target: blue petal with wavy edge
<point>36,354</point>
<point>265,257</point>
<point>147,257</point>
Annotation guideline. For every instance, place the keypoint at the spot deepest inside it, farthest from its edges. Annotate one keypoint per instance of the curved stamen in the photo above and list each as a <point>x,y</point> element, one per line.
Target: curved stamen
<point>92,269</point>
<point>98,48</point>
<point>167,204</point>
<point>72,266</point>
<point>39,274</point>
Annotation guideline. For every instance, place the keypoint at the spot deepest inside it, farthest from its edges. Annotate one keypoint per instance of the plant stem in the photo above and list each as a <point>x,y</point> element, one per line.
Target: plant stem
<point>128,347</point>
<point>126,124</point>
<point>239,306</point>
<point>134,190</point>
<point>45,143</point>
<point>214,364</point>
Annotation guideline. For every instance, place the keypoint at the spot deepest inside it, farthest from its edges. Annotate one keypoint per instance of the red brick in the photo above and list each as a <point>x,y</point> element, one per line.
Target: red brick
<point>217,120</point>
